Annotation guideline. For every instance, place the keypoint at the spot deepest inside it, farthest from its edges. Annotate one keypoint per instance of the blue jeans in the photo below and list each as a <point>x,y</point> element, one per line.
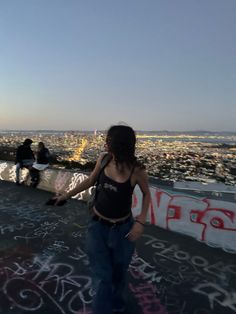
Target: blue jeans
<point>110,254</point>
<point>26,163</point>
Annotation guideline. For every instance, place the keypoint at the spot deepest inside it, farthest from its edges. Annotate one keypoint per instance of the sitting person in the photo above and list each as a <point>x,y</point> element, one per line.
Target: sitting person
<point>41,163</point>
<point>24,158</point>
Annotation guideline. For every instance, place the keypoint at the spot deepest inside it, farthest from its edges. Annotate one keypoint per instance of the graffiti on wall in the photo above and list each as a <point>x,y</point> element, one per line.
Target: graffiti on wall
<point>208,220</point>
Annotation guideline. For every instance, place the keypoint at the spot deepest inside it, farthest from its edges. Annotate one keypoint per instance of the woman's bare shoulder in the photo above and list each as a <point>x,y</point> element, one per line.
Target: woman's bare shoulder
<point>139,175</point>
<point>139,169</point>
<point>139,166</point>
<point>102,155</point>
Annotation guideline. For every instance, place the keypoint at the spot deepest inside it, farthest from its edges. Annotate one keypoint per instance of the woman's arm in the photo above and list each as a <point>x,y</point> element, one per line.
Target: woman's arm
<point>85,184</point>
<point>140,220</point>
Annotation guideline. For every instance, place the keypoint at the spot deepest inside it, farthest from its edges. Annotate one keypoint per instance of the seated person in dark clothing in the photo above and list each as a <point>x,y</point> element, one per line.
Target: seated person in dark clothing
<point>24,158</point>
<point>41,163</point>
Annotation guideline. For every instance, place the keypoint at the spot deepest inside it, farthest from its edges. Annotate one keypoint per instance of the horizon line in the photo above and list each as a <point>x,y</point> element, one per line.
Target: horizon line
<point>104,130</point>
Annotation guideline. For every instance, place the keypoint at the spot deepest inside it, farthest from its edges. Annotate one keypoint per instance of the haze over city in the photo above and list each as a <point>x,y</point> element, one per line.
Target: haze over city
<point>84,65</point>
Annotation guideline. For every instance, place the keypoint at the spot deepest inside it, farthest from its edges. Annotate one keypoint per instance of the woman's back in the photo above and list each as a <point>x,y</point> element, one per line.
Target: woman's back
<point>43,156</point>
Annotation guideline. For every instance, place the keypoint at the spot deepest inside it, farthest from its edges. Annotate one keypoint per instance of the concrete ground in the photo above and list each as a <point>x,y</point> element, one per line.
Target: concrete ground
<point>44,266</point>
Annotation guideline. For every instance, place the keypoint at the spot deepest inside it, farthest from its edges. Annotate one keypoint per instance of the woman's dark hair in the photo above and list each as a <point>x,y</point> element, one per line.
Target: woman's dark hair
<point>41,145</point>
<point>121,140</point>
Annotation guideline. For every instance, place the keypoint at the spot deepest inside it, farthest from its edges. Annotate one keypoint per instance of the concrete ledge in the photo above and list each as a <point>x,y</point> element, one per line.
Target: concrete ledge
<point>208,220</point>
<point>216,187</point>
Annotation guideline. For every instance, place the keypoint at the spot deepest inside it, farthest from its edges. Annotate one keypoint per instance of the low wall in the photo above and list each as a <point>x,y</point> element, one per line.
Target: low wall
<point>208,220</point>
<point>207,187</point>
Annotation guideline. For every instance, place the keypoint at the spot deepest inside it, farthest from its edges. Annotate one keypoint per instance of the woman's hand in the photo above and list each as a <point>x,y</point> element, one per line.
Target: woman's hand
<point>136,231</point>
<point>60,198</point>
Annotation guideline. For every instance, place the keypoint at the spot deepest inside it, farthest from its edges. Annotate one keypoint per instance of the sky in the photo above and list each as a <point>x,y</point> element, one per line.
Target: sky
<point>88,64</point>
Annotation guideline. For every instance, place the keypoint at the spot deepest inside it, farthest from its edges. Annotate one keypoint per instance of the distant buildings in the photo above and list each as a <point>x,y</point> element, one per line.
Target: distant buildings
<point>172,158</point>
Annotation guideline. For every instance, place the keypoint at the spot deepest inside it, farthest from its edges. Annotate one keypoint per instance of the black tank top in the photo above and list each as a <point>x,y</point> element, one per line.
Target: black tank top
<point>113,199</point>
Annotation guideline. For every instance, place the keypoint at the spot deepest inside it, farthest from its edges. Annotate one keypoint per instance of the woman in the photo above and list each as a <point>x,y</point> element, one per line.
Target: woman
<point>112,231</point>
<point>42,162</point>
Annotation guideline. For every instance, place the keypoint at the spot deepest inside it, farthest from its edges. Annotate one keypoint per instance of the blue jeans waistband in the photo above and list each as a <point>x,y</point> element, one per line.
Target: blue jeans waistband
<point>110,222</point>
